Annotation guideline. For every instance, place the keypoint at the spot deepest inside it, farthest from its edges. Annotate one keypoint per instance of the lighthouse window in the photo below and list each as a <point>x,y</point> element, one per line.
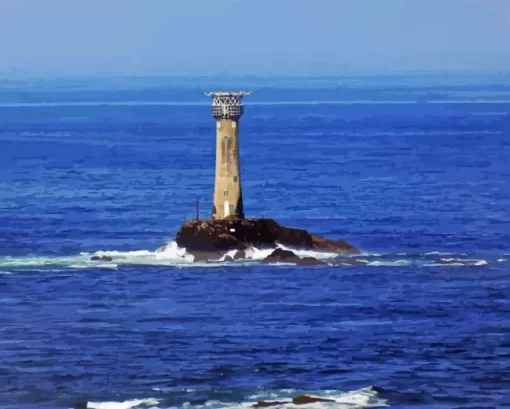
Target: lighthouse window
<point>225,193</point>
<point>231,209</point>
<point>235,178</point>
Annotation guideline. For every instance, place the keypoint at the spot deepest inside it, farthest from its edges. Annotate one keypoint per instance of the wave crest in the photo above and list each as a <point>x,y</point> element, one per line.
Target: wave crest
<point>128,404</point>
<point>171,255</point>
<point>361,398</point>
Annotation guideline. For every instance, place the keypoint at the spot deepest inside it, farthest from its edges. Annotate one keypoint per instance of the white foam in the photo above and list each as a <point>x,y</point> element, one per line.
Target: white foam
<point>441,253</point>
<point>35,261</point>
<point>444,265</point>
<point>501,260</point>
<point>363,398</point>
<point>358,399</point>
<point>455,262</point>
<point>112,266</point>
<point>230,253</point>
<point>128,404</point>
<point>172,251</point>
<point>281,263</point>
<point>254,253</point>
<point>170,254</point>
<point>395,263</point>
<point>80,266</point>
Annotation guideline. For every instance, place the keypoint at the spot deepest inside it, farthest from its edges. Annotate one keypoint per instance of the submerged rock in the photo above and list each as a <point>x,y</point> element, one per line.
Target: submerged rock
<point>311,261</point>
<point>101,258</point>
<point>287,256</point>
<point>297,400</point>
<point>304,399</point>
<point>205,239</point>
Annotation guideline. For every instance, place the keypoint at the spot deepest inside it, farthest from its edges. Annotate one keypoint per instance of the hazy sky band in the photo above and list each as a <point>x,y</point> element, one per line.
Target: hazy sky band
<point>222,37</point>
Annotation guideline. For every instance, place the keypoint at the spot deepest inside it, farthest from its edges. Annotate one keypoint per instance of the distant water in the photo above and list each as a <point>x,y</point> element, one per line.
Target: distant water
<point>413,171</point>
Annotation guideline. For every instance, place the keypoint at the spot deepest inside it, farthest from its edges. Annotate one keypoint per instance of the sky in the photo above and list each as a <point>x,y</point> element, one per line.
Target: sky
<point>251,37</point>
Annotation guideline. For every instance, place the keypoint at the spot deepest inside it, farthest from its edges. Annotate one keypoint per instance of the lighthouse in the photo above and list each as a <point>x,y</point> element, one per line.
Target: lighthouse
<point>227,109</point>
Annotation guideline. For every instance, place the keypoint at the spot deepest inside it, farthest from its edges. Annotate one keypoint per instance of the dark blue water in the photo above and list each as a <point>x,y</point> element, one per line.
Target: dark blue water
<point>413,171</point>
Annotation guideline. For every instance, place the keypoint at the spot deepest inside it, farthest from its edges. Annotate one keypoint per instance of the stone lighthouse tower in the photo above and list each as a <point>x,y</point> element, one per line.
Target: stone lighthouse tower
<point>227,109</point>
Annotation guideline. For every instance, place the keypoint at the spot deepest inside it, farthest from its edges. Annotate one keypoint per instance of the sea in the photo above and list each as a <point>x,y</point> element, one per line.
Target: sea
<point>412,169</point>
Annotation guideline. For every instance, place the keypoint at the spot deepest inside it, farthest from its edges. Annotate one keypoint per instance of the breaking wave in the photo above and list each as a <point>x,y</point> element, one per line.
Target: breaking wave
<point>357,399</point>
<point>128,404</point>
<point>171,255</point>
<point>168,255</point>
<point>457,262</point>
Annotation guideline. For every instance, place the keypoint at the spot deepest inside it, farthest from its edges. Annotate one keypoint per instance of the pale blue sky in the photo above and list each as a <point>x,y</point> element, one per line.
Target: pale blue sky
<point>211,37</point>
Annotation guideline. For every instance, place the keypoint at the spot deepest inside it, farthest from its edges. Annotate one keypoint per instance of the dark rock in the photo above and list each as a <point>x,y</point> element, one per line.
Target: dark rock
<point>228,258</point>
<point>281,256</point>
<point>240,255</point>
<point>101,258</point>
<point>206,255</point>
<point>208,237</point>
<point>287,256</point>
<point>298,400</point>
<point>304,399</point>
<point>311,261</point>
<point>334,246</point>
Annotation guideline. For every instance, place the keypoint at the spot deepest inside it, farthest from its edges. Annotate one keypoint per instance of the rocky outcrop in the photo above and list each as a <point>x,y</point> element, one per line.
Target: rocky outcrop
<point>101,258</point>
<point>286,256</point>
<point>207,239</point>
<point>311,261</point>
<point>281,256</point>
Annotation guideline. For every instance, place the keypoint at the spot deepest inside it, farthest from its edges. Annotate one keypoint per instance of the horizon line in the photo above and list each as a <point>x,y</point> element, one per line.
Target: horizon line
<point>345,74</point>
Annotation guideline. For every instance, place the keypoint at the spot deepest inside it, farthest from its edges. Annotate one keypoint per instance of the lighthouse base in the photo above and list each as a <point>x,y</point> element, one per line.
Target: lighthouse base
<point>210,239</point>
